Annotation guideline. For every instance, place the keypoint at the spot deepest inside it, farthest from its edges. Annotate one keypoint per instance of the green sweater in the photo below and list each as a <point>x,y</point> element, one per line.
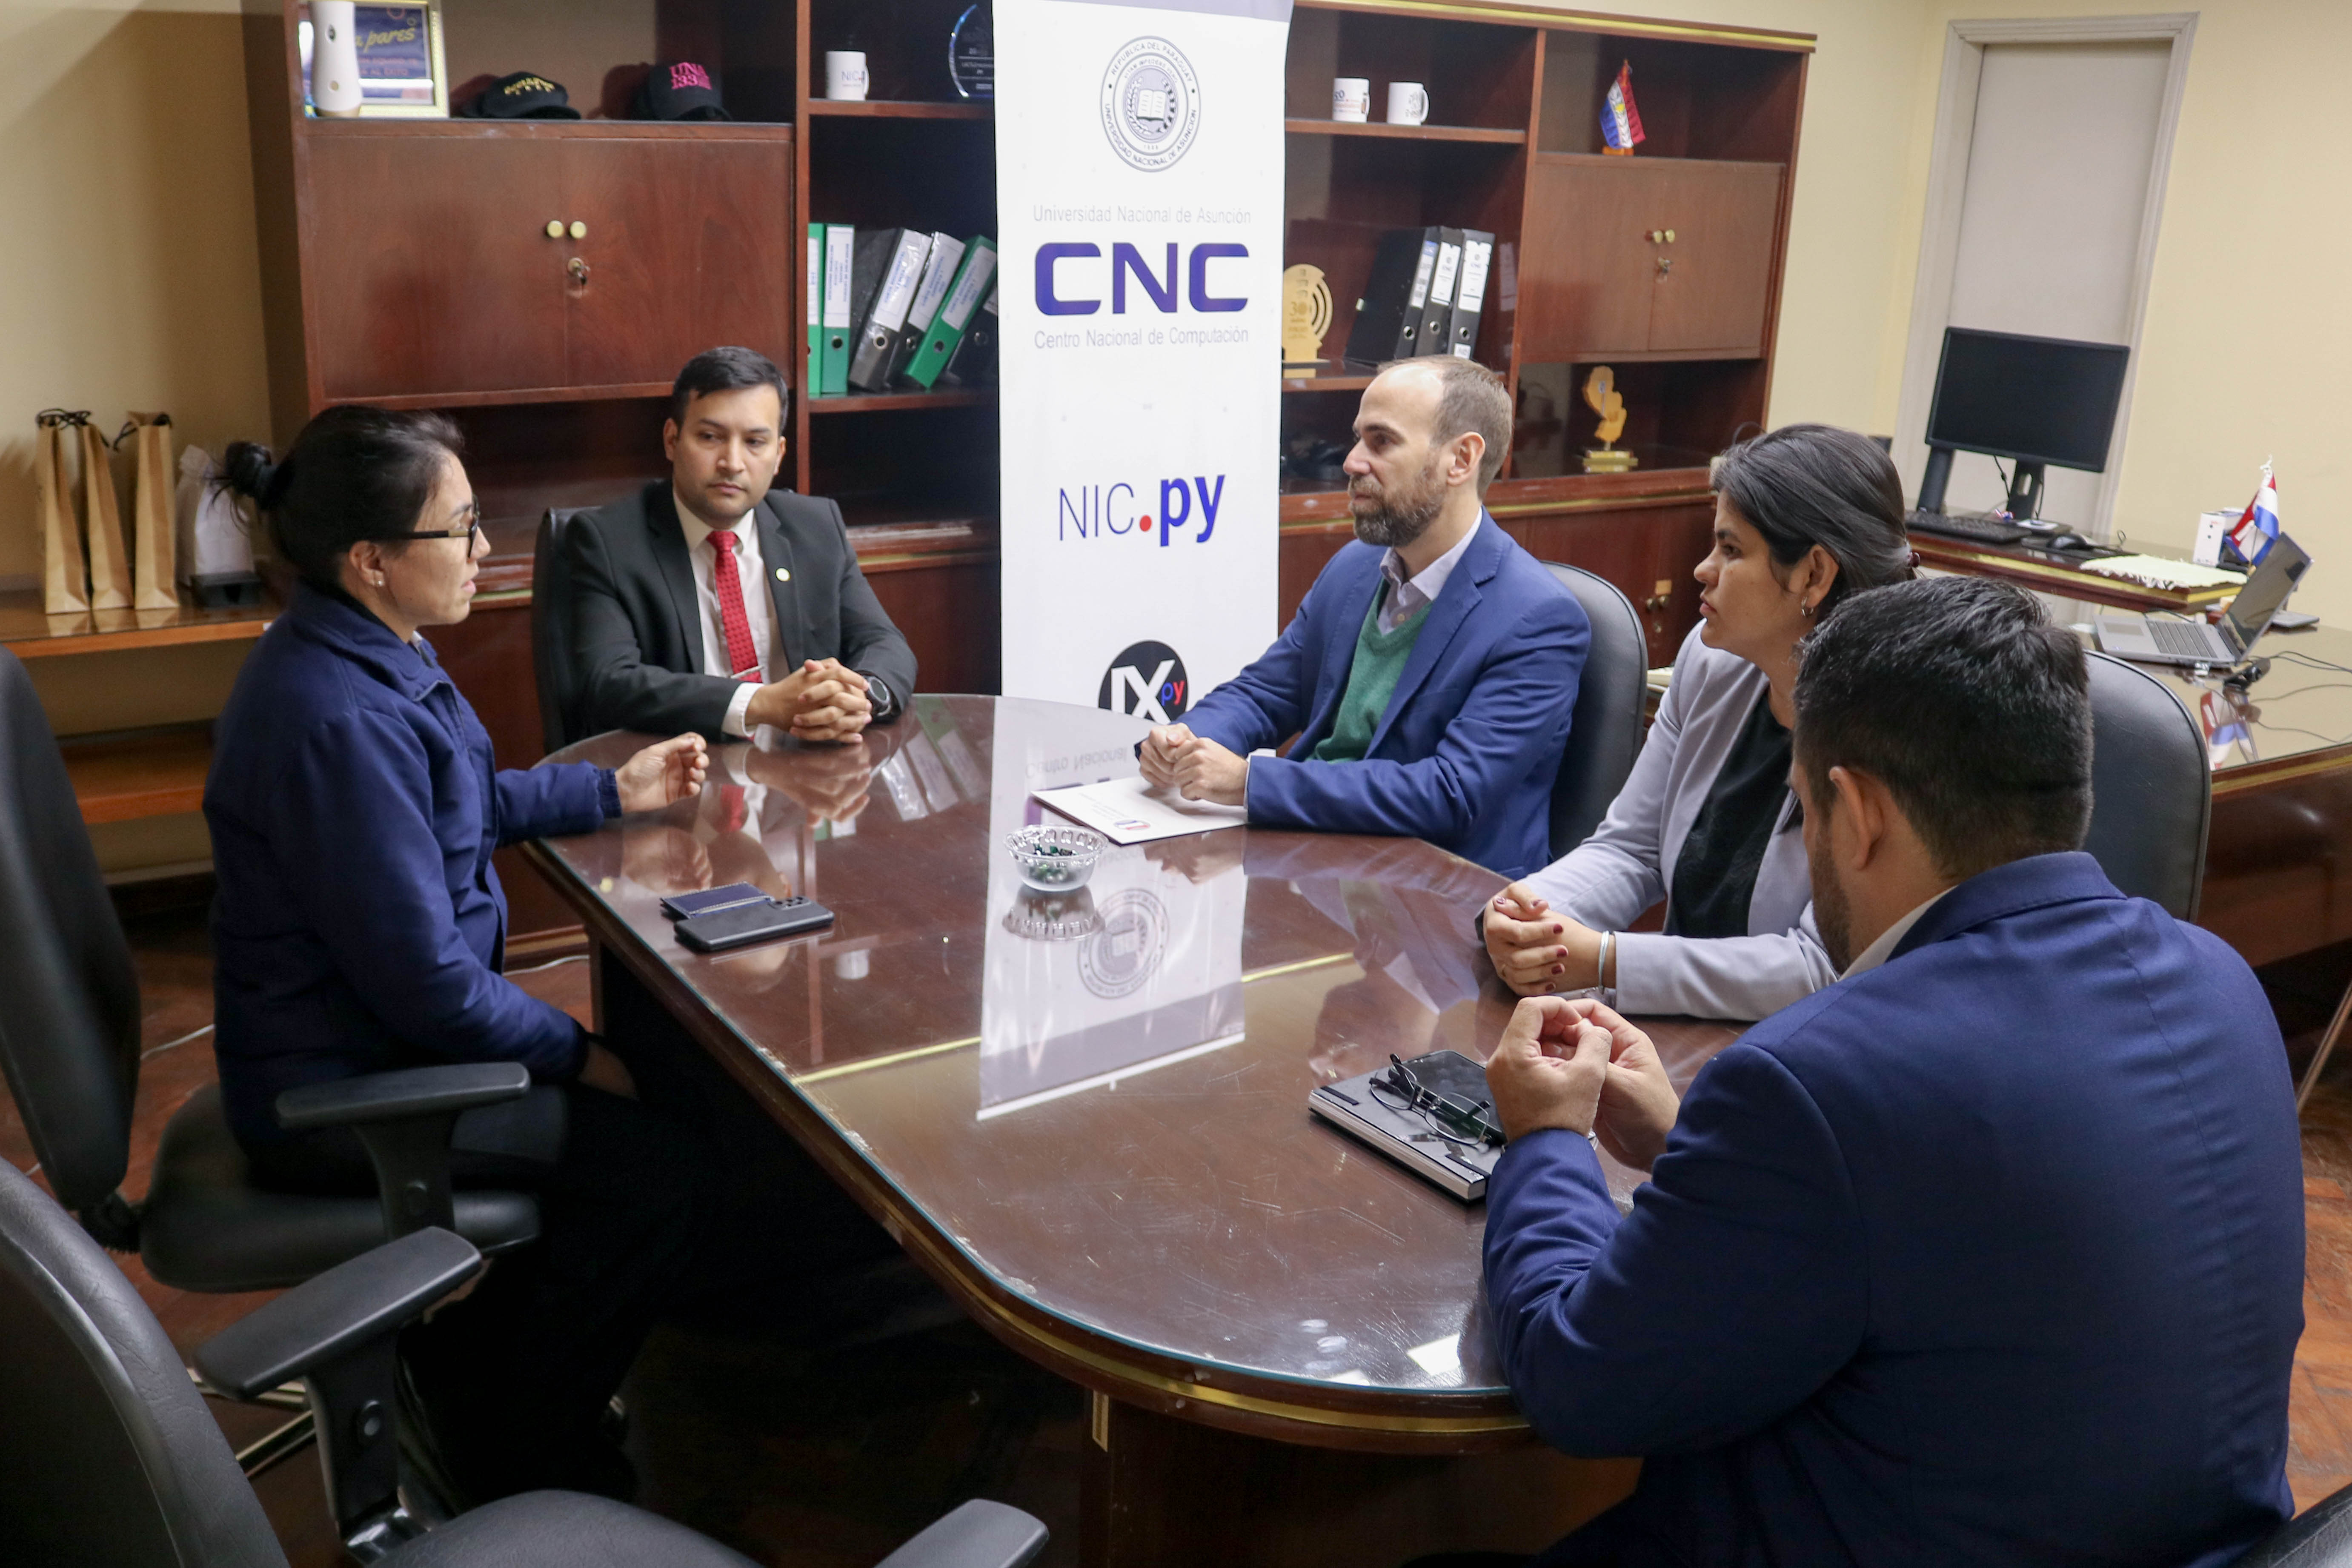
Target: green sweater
<point>1371,680</point>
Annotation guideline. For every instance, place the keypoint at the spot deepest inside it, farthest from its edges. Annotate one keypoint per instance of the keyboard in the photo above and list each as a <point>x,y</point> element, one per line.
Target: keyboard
<point>1974,527</point>
<point>2185,640</point>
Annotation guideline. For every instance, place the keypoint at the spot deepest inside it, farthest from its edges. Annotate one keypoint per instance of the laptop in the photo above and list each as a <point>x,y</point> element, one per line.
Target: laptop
<point>2226,642</point>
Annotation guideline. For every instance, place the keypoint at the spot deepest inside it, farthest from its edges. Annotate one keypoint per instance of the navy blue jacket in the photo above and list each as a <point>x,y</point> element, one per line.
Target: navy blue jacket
<point>1464,754</point>
<point>1993,1254</point>
<point>360,925</point>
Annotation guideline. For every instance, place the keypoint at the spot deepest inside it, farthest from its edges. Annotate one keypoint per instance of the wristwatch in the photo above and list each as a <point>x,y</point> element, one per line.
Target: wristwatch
<point>883,703</point>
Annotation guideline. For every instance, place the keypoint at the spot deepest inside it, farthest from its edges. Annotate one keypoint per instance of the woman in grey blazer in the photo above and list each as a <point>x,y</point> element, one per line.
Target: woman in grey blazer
<point>1804,517</point>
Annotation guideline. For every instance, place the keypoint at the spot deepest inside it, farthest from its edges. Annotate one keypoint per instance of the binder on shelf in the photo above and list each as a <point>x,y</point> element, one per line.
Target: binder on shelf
<point>1388,317</point>
<point>973,362</point>
<point>833,347</point>
<point>1470,294</point>
<point>931,292</point>
<point>894,292</point>
<point>812,376</point>
<point>1437,316</point>
<point>964,295</point>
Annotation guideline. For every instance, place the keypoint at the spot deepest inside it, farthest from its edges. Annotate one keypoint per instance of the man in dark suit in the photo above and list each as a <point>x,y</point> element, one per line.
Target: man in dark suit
<point>1991,1251</point>
<point>1430,672</point>
<point>706,601</point>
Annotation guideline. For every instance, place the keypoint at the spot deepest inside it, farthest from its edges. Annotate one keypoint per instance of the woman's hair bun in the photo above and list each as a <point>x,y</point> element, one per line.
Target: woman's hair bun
<point>247,469</point>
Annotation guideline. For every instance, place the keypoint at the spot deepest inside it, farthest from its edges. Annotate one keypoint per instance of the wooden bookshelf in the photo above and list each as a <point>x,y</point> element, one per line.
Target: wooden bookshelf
<point>156,773</point>
<point>29,633</point>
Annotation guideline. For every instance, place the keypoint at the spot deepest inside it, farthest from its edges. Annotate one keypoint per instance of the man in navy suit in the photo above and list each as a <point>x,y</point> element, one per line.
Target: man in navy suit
<point>1991,1251</point>
<point>1429,674</point>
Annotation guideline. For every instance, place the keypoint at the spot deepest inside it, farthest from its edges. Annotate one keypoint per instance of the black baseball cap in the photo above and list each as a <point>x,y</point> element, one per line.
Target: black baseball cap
<point>678,89</point>
<point>523,96</point>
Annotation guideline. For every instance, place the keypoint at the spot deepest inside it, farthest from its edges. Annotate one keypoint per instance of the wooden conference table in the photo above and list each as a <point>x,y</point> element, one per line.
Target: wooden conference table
<point>1086,1117</point>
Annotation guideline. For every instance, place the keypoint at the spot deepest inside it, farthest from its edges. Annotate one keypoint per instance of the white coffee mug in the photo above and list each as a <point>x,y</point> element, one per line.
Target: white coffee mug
<point>845,74</point>
<point>1408,103</point>
<point>1351,99</point>
<point>334,60</point>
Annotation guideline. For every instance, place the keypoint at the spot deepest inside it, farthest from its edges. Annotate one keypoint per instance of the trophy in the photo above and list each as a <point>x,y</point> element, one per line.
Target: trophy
<point>1601,396</point>
<point>971,53</point>
<point>1306,317</point>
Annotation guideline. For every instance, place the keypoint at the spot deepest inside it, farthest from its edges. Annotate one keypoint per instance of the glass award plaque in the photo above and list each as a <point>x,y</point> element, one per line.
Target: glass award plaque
<point>971,53</point>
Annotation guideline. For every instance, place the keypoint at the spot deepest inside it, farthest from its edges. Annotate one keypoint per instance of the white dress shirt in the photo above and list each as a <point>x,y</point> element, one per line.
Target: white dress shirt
<point>1878,951</point>
<point>758,611</point>
<point>1407,595</point>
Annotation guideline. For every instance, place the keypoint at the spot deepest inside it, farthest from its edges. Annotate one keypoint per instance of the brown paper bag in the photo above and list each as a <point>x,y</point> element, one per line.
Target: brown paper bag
<point>109,562</point>
<point>154,545</point>
<point>65,582</point>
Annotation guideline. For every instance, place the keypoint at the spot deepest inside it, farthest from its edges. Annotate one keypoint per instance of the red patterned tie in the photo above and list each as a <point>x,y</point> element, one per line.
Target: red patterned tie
<point>742,659</point>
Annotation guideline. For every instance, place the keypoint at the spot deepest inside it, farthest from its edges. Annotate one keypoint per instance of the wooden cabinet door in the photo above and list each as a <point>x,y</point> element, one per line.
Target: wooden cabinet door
<point>1722,217</point>
<point>1586,260</point>
<point>430,268</point>
<point>687,246</point>
<point>1648,552</point>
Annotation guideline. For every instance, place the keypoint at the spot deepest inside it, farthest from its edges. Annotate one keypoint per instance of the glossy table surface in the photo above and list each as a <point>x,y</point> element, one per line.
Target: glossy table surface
<point>1089,1112</point>
<point>2296,718</point>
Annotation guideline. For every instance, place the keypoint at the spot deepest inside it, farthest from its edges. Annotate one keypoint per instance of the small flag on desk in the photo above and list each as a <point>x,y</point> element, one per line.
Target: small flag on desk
<point>2255,531</point>
<point>1620,123</point>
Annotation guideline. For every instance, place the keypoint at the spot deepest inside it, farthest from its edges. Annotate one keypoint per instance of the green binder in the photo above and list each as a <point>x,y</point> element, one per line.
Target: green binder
<point>812,376</point>
<point>964,295</point>
<point>833,347</point>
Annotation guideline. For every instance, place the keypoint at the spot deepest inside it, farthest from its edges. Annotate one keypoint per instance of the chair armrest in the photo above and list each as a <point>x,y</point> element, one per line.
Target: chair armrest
<point>2319,1536</point>
<point>394,1096</point>
<point>330,1316</point>
<point>980,1534</point>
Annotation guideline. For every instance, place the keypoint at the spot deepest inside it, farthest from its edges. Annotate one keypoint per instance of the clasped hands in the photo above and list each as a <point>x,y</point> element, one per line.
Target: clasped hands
<point>823,700</point>
<point>1536,951</point>
<point>1574,1064</point>
<point>1193,766</point>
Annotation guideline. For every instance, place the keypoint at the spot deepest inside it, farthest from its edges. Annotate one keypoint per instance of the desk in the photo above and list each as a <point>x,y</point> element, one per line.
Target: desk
<point>1088,1120</point>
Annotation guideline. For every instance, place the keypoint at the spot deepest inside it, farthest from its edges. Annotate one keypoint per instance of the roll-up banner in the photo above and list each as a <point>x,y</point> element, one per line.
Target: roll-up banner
<point>1138,170</point>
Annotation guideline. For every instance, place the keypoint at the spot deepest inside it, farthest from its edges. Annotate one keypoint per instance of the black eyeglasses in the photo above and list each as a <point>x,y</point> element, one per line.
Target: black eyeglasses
<point>469,533</point>
<point>1456,1121</point>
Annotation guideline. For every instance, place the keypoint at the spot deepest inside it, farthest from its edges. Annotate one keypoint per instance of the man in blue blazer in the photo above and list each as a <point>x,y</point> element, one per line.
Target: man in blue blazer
<point>1991,1251</point>
<point>1430,672</point>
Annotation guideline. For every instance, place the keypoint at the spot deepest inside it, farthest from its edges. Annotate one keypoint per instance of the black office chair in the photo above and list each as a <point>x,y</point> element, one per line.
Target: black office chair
<point>69,1047</point>
<point>551,632</point>
<point>2319,1536</point>
<point>130,1469</point>
<point>1606,734</point>
<point>2151,788</point>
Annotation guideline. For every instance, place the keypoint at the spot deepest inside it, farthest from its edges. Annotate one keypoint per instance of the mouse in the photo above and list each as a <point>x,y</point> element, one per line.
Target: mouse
<point>2063,540</point>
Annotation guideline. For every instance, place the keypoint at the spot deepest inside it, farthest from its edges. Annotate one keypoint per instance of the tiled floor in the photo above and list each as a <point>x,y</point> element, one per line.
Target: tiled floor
<point>808,1453</point>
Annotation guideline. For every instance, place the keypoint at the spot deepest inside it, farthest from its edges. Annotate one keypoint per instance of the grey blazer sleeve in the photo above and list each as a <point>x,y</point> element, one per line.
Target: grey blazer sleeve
<point>1609,880</point>
<point>870,643</point>
<point>619,688</point>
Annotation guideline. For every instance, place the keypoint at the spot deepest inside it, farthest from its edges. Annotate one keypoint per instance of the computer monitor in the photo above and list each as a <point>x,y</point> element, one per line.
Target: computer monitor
<point>2037,401</point>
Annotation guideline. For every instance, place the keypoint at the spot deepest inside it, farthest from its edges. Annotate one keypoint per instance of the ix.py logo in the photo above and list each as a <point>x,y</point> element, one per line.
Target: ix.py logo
<point>1147,681</point>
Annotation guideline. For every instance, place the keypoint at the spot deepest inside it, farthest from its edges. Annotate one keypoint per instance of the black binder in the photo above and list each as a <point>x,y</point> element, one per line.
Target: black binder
<point>1389,316</point>
<point>896,257</point>
<point>973,362</point>
<point>1470,292</point>
<point>1437,315</point>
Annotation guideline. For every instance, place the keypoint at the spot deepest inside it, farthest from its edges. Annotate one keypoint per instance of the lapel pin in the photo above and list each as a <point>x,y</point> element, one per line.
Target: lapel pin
<point>783,575</point>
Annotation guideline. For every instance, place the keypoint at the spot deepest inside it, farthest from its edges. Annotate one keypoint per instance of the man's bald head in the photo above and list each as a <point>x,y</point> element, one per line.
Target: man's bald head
<point>1456,397</point>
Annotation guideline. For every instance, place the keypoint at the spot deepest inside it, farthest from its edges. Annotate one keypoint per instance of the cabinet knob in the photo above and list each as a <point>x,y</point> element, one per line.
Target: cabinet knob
<point>579,270</point>
<point>575,234</point>
<point>1657,236</point>
<point>555,228</point>
<point>580,230</point>
<point>1665,265</point>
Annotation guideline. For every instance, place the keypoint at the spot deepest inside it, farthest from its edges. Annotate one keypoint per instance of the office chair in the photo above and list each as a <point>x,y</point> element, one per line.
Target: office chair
<point>2319,1536</point>
<point>1606,734</point>
<point>2151,788</point>
<point>69,1047</point>
<point>551,630</point>
<point>130,1469</point>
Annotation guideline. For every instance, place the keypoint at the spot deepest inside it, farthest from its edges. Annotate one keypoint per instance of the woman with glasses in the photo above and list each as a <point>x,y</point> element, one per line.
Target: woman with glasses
<point>353,805</point>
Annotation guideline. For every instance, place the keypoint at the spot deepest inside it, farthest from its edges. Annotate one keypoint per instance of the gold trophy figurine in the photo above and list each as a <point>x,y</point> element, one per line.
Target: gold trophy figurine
<point>1601,396</point>
<point>1306,317</point>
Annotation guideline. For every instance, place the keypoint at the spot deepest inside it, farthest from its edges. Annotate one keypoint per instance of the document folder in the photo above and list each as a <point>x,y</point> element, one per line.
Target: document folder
<point>1388,316</point>
<point>931,293</point>
<point>964,295</point>
<point>1470,294</point>
<point>832,350</point>
<point>1437,316</point>
<point>894,294</point>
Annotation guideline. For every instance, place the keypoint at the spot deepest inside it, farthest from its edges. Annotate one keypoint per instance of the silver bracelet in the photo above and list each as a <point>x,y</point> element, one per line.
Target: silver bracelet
<point>1601,970</point>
